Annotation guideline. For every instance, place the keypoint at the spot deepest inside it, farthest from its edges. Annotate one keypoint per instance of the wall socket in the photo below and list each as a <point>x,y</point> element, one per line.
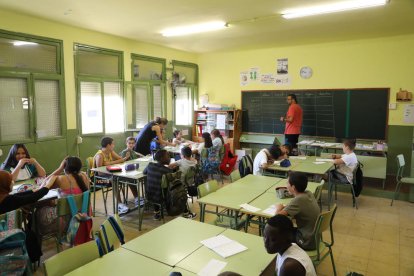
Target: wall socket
<point>79,140</point>
<point>392,106</point>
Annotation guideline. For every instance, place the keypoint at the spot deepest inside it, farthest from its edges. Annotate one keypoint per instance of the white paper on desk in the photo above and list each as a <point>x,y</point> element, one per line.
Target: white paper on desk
<point>51,194</point>
<point>319,163</point>
<point>277,163</point>
<point>230,249</point>
<point>324,160</point>
<point>212,268</point>
<point>146,158</point>
<point>249,207</point>
<point>216,241</point>
<point>270,211</point>
<point>221,121</point>
<point>298,157</point>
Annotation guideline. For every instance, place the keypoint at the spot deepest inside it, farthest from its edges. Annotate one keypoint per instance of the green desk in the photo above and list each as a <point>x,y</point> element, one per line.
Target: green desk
<point>311,186</point>
<point>308,166</point>
<point>173,241</point>
<point>253,261</point>
<point>122,262</point>
<point>255,182</point>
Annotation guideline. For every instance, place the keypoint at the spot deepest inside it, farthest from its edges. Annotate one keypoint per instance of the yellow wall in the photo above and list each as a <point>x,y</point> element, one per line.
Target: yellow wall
<point>383,62</point>
<point>15,22</point>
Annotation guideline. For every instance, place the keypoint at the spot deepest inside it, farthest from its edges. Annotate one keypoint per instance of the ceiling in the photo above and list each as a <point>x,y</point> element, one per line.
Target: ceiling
<point>253,24</point>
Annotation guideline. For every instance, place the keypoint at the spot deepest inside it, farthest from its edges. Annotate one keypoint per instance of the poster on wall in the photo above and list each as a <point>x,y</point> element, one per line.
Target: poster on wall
<point>282,66</point>
<point>267,78</point>
<point>409,114</point>
<point>244,78</point>
<point>254,74</point>
<point>281,80</point>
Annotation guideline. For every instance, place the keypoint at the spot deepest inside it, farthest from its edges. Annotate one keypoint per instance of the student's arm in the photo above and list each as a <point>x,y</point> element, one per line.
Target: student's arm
<point>118,159</point>
<point>173,165</point>
<point>50,181</point>
<point>338,161</point>
<point>292,267</point>
<point>19,166</point>
<point>40,170</point>
<point>18,200</point>
<point>60,169</point>
<point>280,210</point>
<point>161,140</point>
<point>85,179</point>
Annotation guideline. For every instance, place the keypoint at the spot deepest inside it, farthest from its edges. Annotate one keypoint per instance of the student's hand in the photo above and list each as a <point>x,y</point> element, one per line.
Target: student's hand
<point>127,155</point>
<point>282,119</point>
<point>22,162</point>
<point>279,207</point>
<point>63,164</point>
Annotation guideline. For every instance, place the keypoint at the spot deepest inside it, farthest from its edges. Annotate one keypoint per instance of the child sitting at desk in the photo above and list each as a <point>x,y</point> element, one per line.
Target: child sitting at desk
<point>130,144</point>
<point>107,156</point>
<point>154,173</point>
<point>265,158</point>
<point>184,163</point>
<point>178,138</point>
<point>20,165</point>
<point>345,164</point>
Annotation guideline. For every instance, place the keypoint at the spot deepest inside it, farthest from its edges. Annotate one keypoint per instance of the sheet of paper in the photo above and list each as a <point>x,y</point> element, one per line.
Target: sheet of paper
<point>319,163</point>
<point>270,211</point>
<point>216,241</point>
<point>298,157</point>
<point>230,249</point>
<point>249,207</point>
<point>276,163</point>
<point>213,267</point>
<point>221,121</point>
<point>146,158</point>
<point>324,160</point>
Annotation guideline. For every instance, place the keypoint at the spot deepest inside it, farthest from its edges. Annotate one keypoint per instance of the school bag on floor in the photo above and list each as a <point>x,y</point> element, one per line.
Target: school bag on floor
<point>229,160</point>
<point>80,225</point>
<point>175,193</point>
<point>246,166</point>
<point>193,179</point>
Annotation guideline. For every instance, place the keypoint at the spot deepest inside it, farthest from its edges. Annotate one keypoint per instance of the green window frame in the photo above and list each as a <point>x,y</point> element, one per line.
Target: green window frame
<point>146,93</point>
<point>185,90</point>
<point>36,66</point>
<point>99,76</point>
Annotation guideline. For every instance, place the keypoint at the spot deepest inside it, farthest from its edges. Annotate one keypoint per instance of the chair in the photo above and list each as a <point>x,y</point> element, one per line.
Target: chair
<point>323,248</point>
<point>189,181</point>
<point>333,183</point>
<point>400,179</point>
<point>104,188</point>
<point>107,235</point>
<point>149,202</point>
<point>204,156</point>
<point>70,259</point>
<point>318,193</point>
<point>234,176</point>
<point>203,190</point>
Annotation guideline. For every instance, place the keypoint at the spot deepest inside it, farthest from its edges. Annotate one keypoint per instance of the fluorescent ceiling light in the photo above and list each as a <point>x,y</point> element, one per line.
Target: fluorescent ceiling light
<point>192,29</point>
<point>331,8</point>
<point>21,43</point>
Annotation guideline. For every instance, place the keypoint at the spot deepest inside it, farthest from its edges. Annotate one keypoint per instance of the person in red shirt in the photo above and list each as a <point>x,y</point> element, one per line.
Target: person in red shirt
<point>293,121</point>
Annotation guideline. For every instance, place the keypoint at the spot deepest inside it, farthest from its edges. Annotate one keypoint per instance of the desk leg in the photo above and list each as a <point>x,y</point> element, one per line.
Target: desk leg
<point>114,194</point>
<point>329,191</point>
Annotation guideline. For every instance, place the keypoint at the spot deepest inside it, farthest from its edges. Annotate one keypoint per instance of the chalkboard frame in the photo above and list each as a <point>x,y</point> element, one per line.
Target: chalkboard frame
<point>385,93</point>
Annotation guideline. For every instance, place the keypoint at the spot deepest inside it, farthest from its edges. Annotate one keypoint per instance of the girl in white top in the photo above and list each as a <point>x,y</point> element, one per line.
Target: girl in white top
<point>217,139</point>
<point>178,138</point>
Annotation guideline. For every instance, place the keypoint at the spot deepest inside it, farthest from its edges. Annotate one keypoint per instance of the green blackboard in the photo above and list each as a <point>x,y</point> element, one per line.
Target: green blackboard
<point>353,113</point>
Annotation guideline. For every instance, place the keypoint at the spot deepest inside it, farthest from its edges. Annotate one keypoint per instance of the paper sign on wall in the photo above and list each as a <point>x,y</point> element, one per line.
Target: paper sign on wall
<point>254,74</point>
<point>409,114</point>
<point>267,78</point>
<point>244,78</point>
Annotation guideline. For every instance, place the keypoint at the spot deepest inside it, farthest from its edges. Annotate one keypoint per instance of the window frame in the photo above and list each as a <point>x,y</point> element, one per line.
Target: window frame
<point>101,80</point>
<point>31,75</point>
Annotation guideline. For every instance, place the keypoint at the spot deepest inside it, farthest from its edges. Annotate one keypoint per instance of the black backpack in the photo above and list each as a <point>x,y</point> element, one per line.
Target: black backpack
<point>246,166</point>
<point>194,178</point>
<point>358,183</point>
<point>175,193</point>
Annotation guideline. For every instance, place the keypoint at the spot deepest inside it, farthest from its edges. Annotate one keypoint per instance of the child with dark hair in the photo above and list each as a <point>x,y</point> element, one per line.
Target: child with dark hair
<point>265,158</point>
<point>185,162</point>
<point>130,143</point>
<point>107,156</point>
<point>278,237</point>
<point>211,161</point>
<point>346,163</point>
<point>286,149</point>
<point>216,137</point>
<point>20,165</point>
<point>303,208</point>
<point>154,173</point>
<point>178,138</point>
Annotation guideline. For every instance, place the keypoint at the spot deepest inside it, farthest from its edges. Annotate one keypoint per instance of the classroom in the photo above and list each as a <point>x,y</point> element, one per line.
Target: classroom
<point>84,71</point>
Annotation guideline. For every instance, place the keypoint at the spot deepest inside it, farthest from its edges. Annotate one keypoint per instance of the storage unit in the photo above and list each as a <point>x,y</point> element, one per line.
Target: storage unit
<point>227,121</point>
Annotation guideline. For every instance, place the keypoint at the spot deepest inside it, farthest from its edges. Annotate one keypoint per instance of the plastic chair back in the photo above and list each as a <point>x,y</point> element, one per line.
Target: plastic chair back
<point>89,166</point>
<point>318,191</point>
<point>234,176</point>
<point>63,208</point>
<point>325,220</point>
<point>207,188</point>
<point>72,258</point>
<point>400,165</point>
<point>107,235</point>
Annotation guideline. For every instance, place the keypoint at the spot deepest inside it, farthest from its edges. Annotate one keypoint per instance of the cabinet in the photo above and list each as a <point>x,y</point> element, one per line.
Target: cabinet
<point>227,121</point>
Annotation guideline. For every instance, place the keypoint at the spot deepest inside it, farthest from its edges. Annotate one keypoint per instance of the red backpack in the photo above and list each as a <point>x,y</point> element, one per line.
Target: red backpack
<point>229,160</point>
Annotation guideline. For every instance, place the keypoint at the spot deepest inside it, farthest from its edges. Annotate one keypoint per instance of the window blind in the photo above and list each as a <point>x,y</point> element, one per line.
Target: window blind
<point>47,108</point>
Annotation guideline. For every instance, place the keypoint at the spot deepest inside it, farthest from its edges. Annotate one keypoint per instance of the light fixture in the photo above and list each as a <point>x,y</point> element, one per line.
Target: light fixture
<point>22,43</point>
<point>332,7</point>
<point>192,29</point>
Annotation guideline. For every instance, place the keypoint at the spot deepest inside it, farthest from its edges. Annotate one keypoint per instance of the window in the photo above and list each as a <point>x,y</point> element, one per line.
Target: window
<point>31,90</point>
<point>100,88</point>
<point>185,85</point>
<point>146,97</point>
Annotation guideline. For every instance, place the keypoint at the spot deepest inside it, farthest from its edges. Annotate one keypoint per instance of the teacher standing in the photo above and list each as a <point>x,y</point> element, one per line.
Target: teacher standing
<point>150,131</point>
<point>293,121</point>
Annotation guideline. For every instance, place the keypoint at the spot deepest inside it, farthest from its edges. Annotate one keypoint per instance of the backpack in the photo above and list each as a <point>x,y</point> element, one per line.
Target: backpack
<point>80,225</point>
<point>193,179</point>
<point>358,183</point>
<point>246,166</point>
<point>175,193</point>
<point>229,160</point>
<point>14,259</point>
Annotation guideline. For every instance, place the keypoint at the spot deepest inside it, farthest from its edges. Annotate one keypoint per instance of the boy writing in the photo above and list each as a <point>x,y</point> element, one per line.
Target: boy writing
<point>346,163</point>
<point>265,158</point>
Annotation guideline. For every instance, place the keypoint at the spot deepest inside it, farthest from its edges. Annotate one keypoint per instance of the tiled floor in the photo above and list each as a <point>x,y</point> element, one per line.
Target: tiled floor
<point>374,240</point>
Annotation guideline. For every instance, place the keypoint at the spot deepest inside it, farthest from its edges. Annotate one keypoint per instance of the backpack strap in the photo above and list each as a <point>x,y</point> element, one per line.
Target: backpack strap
<point>100,249</point>
<point>85,202</point>
<point>117,229</point>
<point>110,248</point>
<point>72,205</point>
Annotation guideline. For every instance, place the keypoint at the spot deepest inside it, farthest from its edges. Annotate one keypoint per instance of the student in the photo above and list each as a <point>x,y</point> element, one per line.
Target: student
<point>130,143</point>
<point>20,165</point>
<point>303,208</point>
<point>217,139</point>
<point>265,158</point>
<point>178,138</point>
<point>291,259</point>
<point>285,149</point>
<point>154,173</point>
<point>210,162</point>
<point>148,133</point>
<point>184,163</point>
<point>107,156</point>
<point>346,163</point>
<point>12,202</point>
